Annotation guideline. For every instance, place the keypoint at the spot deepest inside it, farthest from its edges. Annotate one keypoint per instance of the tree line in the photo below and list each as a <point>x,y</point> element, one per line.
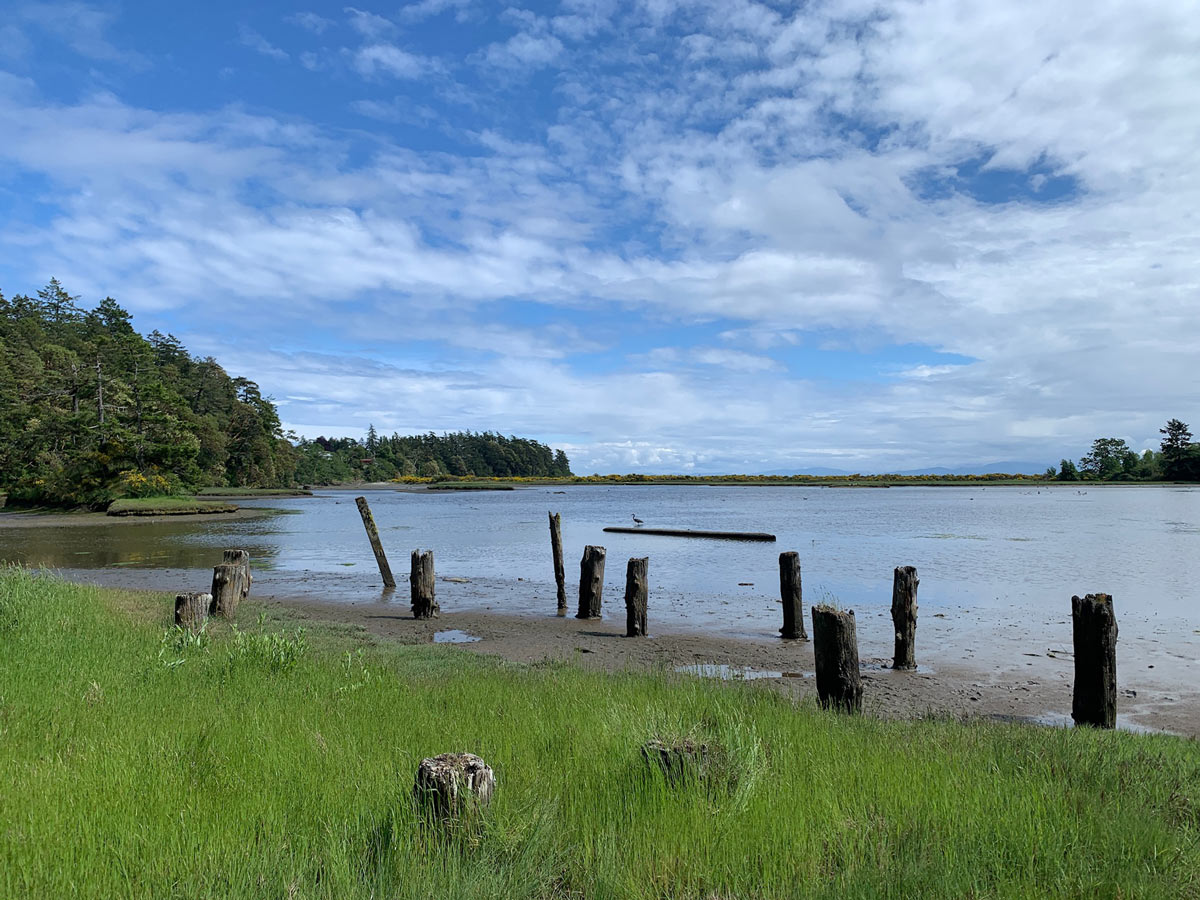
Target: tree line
<point>1111,459</point>
<point>91,411</point>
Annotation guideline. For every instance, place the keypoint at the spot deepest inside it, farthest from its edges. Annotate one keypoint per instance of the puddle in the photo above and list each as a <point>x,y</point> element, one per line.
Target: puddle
<point>735,673</point>
<point>453,636</point>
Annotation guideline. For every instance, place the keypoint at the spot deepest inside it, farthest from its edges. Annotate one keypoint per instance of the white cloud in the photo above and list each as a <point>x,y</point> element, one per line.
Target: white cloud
<point>524,51</point>
<point>310,21</point>
<point>255,41</point>
<point>388,59</point>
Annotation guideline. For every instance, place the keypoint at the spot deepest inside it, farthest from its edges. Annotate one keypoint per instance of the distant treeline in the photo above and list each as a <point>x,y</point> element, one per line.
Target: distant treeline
<point>1111,459</point>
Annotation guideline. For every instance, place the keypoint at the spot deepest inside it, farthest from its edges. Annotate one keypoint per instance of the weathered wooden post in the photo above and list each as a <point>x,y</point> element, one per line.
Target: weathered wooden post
<point>835,648</point>
<point>792,595</point>
<point>373,534</point>
<point>240,558</point>
<point>591,582</point>
<point>191,609</point>
<point>1094,626</point>
<point>637,590</point>
<point>560,572</point>
<point>451,784</point>
<point>228,589</point>
<point>904,616</point>
<point>421,578</point>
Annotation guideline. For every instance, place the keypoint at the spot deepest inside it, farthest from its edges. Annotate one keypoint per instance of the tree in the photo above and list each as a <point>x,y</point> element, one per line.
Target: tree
<point>1177,438</point>
<point>1106,459</point>
<point>1067,471</point>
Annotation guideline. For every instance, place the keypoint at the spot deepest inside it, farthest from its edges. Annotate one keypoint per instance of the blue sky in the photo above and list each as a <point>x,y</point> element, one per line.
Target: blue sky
<point>661,235</point>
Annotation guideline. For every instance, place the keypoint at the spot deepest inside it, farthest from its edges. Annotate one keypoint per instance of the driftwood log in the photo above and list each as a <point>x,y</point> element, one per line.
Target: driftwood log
<point>904,616</point>
<point>373,536</point>
<point>835,648</point>
<point>792,595</point>
<point>228,588</point>
<point>637,591</point>
<point>560,571</point>
<point>591,582</point>
<point>240,558</point>
<point>1094,627</point>
<point>453,783</point>
<point>191,609</point>
<point>421,578</point>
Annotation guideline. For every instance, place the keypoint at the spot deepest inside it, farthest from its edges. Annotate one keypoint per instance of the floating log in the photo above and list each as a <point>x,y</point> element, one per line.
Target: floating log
<point>373,535</point>
<point>560,572</point>
<point>835,648</point>
<point>792,595</point>
<point>637,590</point>
<point>240,558</point>
<point>591,582</point>
<point>191,609</point>
<point>422,581</point>
<point>904,616</point>
<point>228,589</point>
<point>688,533</point>
<point>1094,627</point>
<point>451,784</point>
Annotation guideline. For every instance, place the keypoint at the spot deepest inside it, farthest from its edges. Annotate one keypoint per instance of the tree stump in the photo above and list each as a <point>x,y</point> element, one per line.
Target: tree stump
<point>904,616</point>
<point>835,648</point>
<point>228,589</point>
<point>191,609</point>
<point>421,579</point>
<point>792,595</point>
<point>560,571</point>
<point>373,536</point>
<point>679,761</point>
<point>240,558</point>
<point>453,783</point>
<point>1094,626</point>
<point>591,582</point>
<point>637,590</point>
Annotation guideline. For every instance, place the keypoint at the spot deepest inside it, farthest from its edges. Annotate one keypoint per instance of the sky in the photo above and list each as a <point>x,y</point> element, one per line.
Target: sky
<point>663,236</point>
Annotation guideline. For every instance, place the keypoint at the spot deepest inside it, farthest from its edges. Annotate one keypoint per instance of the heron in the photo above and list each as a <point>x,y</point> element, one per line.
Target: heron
<point>636,520</point>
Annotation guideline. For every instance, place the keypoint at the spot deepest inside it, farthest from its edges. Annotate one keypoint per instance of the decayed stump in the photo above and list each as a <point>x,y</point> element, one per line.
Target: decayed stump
<point>835,648</point>
<point>904,616</point>
<point>637,590</point>
<point>453,783</point>
<point>373,536</point>
<point>1094,625</point>
<point>679,761</point>
<point>228,589</point>
<point>421,578</point>
<point>792,595</point>
<point>191,609</point>
<point>560,571</point>
<point>240,558</point>
<point>591,582</point>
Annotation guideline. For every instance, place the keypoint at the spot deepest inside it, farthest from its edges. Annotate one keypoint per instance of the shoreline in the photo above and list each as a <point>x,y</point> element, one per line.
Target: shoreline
<point>38,518</point>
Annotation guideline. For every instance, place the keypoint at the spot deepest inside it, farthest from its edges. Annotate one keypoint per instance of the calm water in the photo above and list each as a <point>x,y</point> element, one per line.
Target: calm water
<point>1012,556</point>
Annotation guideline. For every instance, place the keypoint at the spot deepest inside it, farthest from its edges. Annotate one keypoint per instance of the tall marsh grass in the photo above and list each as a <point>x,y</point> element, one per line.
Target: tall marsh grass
<point>138,761</point>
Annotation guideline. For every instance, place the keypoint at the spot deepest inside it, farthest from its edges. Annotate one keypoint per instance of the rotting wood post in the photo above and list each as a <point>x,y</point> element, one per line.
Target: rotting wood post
<point>835,648</point>
<point>904,616</point>
<point>240,558</point>
<point>560,571</point>
<point>453,784</point>
<point>228,589</point>
<point>637,591</point>
<point>1094,626</point>
<point>591,582</point>
<point>191,609</point>
<point>792,595</point>
<point>373,534</point>
<point>421,578</point>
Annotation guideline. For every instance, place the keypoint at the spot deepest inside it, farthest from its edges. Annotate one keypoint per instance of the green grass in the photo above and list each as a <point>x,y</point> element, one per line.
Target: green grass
<point>136,761</point>
<point>166,506</point>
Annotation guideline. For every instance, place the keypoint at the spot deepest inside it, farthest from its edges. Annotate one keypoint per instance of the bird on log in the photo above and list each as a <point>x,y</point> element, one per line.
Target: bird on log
<point>637,521</point>
<point>688,533</point>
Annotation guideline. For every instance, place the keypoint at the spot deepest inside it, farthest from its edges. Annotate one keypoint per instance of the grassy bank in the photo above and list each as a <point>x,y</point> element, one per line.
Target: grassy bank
<point>252,492</point>
<point>270,763</point>
<point>166,506</point>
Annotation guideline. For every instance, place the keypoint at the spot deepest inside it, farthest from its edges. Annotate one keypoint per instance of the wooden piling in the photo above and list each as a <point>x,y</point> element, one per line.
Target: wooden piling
<point>191,609</point>
<point>240,558</point>
<point>591,582</point>
<point>422,580</point>
<point>1094,626</point>
<point>228,589</point>
<point>792,595</point>
<point>373,534</point>
<point>560,571</point>
<point>637,590</point>
<point>904,616</point>
<point>835,648</point>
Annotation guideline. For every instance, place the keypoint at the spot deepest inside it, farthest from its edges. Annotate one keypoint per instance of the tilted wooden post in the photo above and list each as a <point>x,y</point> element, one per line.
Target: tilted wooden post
<point>792,595</point>
<point>421,579</point>
<point>637,590</point>
<point>373,534</point>
<point>835,648</point>
<point>591,582</point>
<point>904,616</point>
<point>191,609</point>
<point>228,589</point>
<point>560,572</point>
<point>1094,625</point>
<point>240,558</point>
